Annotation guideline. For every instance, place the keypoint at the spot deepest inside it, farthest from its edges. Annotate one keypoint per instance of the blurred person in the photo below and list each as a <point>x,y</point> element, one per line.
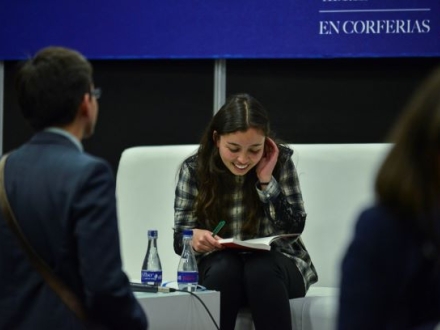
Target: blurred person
<point>64,202</point>
<point>391,270</point>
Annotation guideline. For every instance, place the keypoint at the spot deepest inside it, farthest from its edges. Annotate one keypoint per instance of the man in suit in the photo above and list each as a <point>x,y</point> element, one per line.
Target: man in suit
<point>64,202</point>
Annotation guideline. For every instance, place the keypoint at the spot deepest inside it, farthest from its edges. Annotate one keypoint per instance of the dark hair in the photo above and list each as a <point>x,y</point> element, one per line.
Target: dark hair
<point>409,179</point>
<point>239,113</point>
<point>50,86</point>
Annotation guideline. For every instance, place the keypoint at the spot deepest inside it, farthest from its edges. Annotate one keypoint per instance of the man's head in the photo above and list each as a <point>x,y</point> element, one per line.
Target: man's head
<point>53,86</point>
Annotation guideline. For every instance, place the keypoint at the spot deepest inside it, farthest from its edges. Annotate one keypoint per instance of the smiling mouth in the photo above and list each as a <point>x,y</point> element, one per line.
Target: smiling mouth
<point>241,167</point>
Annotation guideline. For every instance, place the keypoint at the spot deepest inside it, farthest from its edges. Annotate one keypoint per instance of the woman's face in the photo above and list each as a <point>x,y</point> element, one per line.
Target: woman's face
<point>241,151</point>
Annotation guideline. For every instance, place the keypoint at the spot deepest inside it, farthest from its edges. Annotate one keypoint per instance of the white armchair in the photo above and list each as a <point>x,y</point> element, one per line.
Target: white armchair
<point>336,182</point>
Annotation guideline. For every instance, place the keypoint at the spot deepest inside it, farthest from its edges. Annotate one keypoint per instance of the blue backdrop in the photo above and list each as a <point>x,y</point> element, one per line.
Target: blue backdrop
<point>103,29</point>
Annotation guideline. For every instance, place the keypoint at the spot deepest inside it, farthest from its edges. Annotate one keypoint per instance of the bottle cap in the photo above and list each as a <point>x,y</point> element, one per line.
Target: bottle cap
<point>152,233</point>
<point>187,232</point>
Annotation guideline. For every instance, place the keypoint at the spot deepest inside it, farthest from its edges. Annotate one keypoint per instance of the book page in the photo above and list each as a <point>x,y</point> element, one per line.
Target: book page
<point>261,243</point>
<point>268,240</point>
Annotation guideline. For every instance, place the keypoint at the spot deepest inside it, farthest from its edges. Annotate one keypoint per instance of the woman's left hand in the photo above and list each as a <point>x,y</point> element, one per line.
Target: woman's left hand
<point>268,161</point>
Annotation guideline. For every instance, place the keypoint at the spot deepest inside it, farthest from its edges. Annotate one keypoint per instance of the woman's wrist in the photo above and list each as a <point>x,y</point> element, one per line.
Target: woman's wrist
<point>265,181</point>
<point>263,184</point>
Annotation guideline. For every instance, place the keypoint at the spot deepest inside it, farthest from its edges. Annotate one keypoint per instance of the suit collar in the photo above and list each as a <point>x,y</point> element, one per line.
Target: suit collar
<point>67,134</point>
<point>49,137</point>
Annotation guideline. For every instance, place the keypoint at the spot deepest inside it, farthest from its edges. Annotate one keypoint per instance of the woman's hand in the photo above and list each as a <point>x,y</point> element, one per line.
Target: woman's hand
<point>204,242</point>
<point>268,161</point>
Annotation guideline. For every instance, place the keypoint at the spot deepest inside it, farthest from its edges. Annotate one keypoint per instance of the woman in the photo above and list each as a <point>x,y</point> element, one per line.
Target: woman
<point>242,176</point>
<point>390,273</point>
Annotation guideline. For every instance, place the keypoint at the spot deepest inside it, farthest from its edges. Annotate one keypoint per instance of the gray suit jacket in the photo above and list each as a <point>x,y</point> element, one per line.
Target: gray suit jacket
<point>64,201</point>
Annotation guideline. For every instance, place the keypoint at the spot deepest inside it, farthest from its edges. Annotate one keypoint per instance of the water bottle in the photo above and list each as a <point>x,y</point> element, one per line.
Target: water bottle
<point>187,272</point>
<point>151,273</point>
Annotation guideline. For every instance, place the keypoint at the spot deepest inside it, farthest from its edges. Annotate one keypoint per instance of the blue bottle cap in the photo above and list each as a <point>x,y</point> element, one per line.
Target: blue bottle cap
<point>187,232</point>
<point>152,233</point>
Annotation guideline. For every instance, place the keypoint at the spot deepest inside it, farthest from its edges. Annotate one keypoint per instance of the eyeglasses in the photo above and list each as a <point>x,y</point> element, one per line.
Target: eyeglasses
<point>96,92</point>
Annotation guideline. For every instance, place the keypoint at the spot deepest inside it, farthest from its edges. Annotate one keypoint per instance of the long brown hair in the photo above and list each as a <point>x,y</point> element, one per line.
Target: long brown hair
<point>239,113</point>
<point>409,179</point>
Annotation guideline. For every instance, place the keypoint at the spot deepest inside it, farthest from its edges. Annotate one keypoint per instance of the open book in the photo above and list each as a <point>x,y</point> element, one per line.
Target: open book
<point>261,243</point>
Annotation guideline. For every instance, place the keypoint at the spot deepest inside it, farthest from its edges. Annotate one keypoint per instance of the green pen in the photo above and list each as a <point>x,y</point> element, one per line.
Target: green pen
<point>217,229</point>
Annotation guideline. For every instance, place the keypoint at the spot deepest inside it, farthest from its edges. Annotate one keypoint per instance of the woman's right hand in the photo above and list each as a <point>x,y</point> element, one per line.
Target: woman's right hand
<point>203,241</point>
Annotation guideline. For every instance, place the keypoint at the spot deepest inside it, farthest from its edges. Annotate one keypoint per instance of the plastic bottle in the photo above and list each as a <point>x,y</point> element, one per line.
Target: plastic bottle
<point>187,271</point>
<point>151,273</point>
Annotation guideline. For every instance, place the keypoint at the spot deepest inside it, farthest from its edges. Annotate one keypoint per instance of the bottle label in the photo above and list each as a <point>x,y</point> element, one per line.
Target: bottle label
<point>187,277</point>
<point>151,277</point>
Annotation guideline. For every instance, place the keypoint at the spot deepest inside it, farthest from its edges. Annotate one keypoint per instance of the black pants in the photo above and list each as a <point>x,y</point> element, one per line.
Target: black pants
<point>262,280</point>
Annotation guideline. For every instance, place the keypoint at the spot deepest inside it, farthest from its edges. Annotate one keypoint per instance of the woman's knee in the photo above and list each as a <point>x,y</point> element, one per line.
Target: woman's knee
<point>261,263</point>
<point>267,268</point>
<point>222,265</point>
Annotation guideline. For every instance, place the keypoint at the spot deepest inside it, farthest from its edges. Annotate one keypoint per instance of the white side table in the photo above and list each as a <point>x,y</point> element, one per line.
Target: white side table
<point>180,310</point>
